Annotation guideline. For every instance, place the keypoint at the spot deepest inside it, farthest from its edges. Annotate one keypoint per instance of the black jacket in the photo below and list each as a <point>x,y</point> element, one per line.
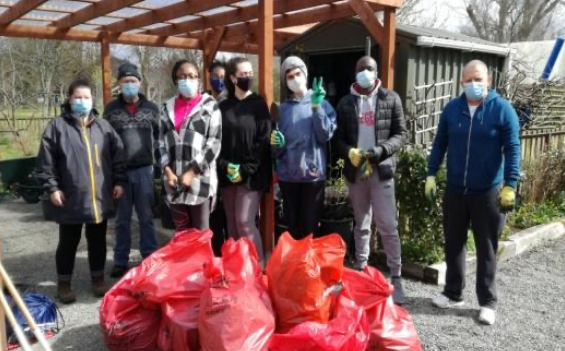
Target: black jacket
<point>246,131</point>
<point>390,131</point>
<point>139,132</point>
<point>84,163</point>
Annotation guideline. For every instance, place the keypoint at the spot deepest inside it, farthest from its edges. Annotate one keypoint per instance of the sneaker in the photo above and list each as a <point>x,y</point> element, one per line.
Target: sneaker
<point>443,301</point>
<point>359,266</point>
<point>398,293</point>
<point>487,316</point>
<point>118,271</point>
<point>64,292</point>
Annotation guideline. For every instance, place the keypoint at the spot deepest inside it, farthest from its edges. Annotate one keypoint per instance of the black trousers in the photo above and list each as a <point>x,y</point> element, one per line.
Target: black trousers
<point>303,204</point>
<point>481,213</point>
<point>69,238</point>
<point>219,226</point>
<point>191,216</point>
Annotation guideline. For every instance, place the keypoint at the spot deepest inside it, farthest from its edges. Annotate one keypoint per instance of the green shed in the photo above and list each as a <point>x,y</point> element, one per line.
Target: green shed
<point>428,65</point>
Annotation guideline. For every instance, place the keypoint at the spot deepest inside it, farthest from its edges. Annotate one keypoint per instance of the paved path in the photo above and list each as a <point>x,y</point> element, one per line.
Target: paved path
<point>531,288</point>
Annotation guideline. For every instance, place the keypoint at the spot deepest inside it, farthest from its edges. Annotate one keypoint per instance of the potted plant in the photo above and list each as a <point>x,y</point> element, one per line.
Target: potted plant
<point>337,216</point>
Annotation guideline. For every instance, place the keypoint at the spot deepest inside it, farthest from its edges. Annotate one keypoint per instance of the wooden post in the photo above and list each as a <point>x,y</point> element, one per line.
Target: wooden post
<point>266,57</point>
<point>106,69</point>
<point>389,46</point>
<point>212,43</point>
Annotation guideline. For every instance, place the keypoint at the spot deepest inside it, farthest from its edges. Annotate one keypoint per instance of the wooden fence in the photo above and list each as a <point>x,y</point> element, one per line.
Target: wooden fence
<point>535,142</point>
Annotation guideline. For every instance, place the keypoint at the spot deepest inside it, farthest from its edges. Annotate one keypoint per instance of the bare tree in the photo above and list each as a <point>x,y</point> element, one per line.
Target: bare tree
<point>506,21</point>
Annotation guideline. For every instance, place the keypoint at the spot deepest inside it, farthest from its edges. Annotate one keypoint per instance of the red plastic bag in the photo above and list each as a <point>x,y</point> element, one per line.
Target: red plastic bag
<point>392,328</point>
<point>347,331</point>
<point>127,323</point>
<point>178,331</point>
<point>301,274</point>
<point>235,312</point>
<point>176,270</point>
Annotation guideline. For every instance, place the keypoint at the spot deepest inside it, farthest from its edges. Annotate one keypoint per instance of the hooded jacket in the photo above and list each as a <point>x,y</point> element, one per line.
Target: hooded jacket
<point>246,141</point>
<point>85,162</point>
<point>304,156</point>
<point>481,150</point>
<point>389,125</point>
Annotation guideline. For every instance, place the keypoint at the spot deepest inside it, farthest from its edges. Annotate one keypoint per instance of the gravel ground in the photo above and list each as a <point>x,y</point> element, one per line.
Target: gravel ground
<point>531,307</point>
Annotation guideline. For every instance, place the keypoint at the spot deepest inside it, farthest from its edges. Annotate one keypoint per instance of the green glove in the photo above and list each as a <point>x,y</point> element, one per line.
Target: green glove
<point>431,188</point>
<point>277,139</point>
<point>318,92</point>
<point>507,199</point>
<point>366,170</point>
<point>233,173</point>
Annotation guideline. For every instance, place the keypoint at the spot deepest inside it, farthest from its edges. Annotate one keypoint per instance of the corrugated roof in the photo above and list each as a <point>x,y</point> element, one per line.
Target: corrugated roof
<point>441,34</point>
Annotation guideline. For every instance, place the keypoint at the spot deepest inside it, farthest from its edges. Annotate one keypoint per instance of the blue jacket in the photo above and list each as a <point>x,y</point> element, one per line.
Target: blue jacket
<point>306,132</point>
<point>482,150</point>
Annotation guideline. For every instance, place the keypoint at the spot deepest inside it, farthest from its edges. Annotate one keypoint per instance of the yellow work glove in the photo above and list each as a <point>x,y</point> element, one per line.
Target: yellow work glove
<point>431,189</point>
<point>507,199</point>
<point>356,156</point>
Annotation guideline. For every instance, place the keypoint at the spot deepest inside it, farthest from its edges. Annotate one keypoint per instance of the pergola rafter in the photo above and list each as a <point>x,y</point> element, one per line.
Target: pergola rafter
<point>18,10</point>
<point>90,12</point>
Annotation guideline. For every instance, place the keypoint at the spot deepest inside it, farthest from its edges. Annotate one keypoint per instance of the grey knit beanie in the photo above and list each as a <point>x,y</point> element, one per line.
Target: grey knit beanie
<point>291,63</point>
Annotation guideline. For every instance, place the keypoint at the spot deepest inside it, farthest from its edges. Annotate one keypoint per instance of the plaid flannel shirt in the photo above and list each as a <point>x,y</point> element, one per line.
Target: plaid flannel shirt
<point>197,146</point>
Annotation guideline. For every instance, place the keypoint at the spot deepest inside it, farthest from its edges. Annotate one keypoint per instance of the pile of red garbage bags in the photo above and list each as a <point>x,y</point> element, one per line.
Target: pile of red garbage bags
<point>182,298</point>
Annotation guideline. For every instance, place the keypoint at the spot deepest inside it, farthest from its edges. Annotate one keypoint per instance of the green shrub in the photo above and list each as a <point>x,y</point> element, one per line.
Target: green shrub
<point>532,214</point>
<point>419,221</point>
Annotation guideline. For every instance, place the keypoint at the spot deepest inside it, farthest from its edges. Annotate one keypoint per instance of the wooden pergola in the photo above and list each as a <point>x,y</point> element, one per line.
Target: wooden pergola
<point>251,26</point>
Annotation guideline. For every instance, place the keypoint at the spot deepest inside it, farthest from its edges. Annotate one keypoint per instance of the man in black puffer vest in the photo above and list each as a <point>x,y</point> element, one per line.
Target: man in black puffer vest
<point>136,120</point>
<point>370,130</point>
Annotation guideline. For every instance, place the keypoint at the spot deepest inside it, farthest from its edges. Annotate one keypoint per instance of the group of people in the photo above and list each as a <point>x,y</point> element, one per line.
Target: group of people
<point>217,152</point>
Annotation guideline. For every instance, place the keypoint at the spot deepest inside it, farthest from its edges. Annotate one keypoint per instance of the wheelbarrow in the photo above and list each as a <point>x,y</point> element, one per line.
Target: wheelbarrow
<point>18,179</point>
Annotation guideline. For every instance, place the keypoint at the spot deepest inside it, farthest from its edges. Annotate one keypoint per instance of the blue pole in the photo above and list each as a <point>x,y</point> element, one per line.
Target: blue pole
<point>553,58</point>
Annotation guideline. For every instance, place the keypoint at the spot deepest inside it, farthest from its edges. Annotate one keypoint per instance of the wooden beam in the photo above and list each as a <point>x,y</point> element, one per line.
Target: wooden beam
<point>388,3</point>
<point>241,14</point>
<point>367,15</point>
<point>48,32</point>
<point>326,13</point>
<point>90,12</point>
<point>106,69</point>
<point>388,52</point>
<point>167,13</point>
<point>266,58</point>
<point>18,10</point>
<point>213,42</point>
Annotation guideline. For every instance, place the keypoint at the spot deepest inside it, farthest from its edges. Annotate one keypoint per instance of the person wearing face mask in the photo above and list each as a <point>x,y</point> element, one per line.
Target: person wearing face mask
<point>244,165</point>
<point>370,130</point>
<point>307,122</point>
<point>479,131</point>
<point>136,120</point>
<point>217,72</point>
<point>81,165</point>
<point>190,135</point>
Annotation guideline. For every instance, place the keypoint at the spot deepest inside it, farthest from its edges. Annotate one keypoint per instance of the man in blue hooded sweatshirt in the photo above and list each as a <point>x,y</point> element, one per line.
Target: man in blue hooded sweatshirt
<point>307,122</point>
<point>479,131</point>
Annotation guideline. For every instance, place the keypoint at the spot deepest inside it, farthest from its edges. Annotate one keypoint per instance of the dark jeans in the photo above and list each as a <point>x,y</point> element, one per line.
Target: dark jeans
<point>481,213</point>
<point>191,216</point>
<point>138,193</point>
<point>303,204</point>
<point>219,226</point>
<point>69,238</point>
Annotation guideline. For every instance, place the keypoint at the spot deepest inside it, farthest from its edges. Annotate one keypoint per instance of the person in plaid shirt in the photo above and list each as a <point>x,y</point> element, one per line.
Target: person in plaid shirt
<point>190,136</point>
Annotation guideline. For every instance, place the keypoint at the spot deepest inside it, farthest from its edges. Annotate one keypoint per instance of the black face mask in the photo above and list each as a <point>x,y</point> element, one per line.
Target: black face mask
<point>244,83</point>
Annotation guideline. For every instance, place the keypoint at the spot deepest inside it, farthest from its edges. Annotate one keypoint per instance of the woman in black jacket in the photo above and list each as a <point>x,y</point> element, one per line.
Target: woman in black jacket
<point>81,166</point>
<point>244,165</point>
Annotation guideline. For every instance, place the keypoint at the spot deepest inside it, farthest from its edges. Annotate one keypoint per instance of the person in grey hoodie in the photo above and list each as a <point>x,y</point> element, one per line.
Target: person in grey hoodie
<point>307,122</point>
<point>371,129</point>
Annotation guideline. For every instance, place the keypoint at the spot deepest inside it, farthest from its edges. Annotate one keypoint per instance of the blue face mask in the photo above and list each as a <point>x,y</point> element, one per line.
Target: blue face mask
<point>188,87</point>
<point>217,84</point>
<point>475,90</point>
<point>366,79</point>
<point>81,107</point>
<point>130,90</point>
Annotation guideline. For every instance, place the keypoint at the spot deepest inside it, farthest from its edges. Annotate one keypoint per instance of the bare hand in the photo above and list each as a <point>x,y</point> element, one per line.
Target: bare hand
<point>57,198</point>
<point>186,178</point>
<point>118,191</point>
<point>172,179</point>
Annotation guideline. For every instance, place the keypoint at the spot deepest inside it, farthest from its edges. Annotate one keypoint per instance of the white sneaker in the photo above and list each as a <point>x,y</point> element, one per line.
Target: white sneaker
<point>487,316</point>
<point>443,301</point>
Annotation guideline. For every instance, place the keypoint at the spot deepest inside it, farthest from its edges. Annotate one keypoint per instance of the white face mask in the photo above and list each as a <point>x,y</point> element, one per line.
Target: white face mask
<point>188,87</point>
<point>366,79</point>
<point>297,85</point>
